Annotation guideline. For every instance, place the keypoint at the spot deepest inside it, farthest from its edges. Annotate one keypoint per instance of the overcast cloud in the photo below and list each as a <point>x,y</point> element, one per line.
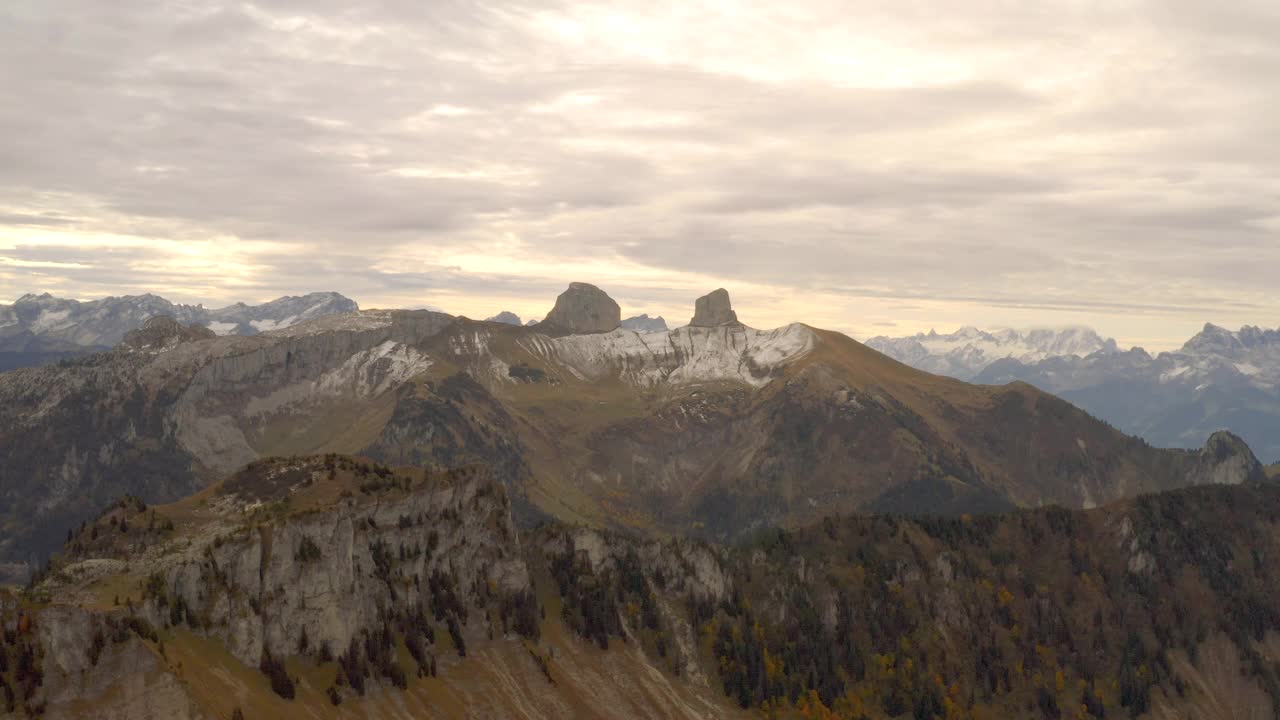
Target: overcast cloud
<point>878,168</point>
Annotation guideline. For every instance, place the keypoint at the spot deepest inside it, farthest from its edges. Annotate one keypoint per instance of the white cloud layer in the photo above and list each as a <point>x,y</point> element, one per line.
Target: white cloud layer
<point>871,167</point>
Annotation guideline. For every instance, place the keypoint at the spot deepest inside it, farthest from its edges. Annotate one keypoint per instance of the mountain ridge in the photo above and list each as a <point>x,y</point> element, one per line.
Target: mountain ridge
<point>1218,379</point>
<point>44,327</point>
<point>715,431</point>
<point>966,352</point>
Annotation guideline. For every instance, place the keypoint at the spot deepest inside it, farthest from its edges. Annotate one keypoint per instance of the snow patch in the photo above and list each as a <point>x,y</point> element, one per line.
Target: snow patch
<point>1248,369</point>
<point>687,355</point>
<point>50,320</point>
<point>374,371</point>
<point>222,328</point>
<point>269,325</point>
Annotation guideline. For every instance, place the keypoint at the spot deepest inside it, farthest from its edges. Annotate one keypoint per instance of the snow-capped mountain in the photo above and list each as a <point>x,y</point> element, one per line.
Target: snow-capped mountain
<point>966,352</point>
<point>241,319</point>
<point>1219,379</point>
<point>42,325</point>
<point>645,324</point>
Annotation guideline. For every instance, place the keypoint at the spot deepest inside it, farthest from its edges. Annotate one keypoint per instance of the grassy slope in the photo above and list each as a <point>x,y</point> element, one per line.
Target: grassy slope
<point>498,679</point>
<point>589,445</point>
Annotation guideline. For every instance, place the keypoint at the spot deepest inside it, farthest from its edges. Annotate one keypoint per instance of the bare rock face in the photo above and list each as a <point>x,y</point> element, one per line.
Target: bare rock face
<point>713,309</point>
<point>585,309</point>
<point>1226,460</point>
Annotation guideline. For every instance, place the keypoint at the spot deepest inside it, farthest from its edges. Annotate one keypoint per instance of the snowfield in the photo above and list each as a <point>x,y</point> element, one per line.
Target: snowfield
<point>688,355</point>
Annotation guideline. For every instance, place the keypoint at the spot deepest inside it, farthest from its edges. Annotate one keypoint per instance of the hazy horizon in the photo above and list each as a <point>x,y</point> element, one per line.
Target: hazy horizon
<point>677,317</point>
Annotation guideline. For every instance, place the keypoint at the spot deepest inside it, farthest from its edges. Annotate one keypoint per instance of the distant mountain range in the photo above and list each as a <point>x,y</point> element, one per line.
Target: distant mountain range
<point>645,324</point>
<point>966,352</point>
<point>42,328</point>
<point>505,317</point>
<point>1219,379</point>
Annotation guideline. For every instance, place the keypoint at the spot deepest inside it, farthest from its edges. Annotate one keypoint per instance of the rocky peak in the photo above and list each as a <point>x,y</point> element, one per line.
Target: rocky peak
<point>584,309</point>
<point>713,309</point>
<point>1213,339</point>
<point>1227,460</point>
<point>506,317</point>
<point>162,332</point>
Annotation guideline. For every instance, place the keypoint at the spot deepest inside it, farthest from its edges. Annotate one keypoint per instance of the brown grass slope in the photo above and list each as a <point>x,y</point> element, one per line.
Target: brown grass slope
<point>843,429</point>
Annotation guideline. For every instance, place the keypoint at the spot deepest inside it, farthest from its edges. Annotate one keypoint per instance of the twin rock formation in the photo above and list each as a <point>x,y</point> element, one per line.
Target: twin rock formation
<point>585,309</point>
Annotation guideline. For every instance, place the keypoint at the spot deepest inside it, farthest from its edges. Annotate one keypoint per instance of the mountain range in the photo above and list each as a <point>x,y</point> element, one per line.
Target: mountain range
<point>715,429</point>
<point>409,514</point>
<point>42,328</point>
<point>1218,380</point>
<point>968,351</point>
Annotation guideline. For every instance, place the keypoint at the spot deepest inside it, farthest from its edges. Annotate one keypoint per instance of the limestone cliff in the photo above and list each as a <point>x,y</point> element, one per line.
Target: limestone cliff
<point>334,562</point>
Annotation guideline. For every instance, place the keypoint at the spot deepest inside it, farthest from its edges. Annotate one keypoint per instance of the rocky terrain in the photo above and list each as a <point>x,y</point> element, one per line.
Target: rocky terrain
<point>713,431</point>
<point>333,586</point>
<point>1219,379</point>
<point>968,351</point>
<point>41,328</point>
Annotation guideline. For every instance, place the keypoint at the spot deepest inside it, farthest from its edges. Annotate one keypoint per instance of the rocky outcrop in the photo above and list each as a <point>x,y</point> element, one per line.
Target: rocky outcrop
<point>163,332</point>
<point>713,309</point>
<point>330,576</point>
<point>1226,460</point>
<point>320,548</point>
<point>326,560</point>
<point>584,309</point>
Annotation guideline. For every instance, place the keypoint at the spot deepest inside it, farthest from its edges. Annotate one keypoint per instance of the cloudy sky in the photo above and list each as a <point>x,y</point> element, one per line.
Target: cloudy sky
<point>878,168</point>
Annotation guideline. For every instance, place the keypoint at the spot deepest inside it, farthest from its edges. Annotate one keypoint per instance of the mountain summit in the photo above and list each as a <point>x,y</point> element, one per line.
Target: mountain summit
<point>713,309</point>
<point>584,309</point>
<point>506,317</point>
